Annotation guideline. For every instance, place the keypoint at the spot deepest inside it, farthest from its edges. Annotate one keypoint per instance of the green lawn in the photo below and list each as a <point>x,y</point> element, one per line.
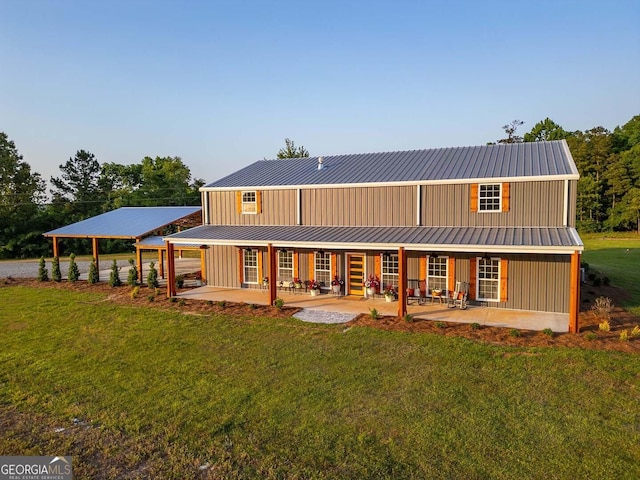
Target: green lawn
<point>617,255</point>
<point>265,398</point>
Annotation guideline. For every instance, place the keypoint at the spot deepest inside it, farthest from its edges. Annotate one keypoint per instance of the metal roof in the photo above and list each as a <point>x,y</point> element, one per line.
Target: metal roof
<point>502,161</point>
<point>154,242</point>
<point>125,222</point>
<point>468,239</point>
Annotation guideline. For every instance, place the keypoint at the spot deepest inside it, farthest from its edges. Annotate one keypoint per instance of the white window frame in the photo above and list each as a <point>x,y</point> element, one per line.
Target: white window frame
<point>389,278</point>
<point>327,272</point>
<point>446,272</point>
<point>479,265</point>
<point>489,199</point>
<point>285,272</point>
<point>250,267</point>
<point>249,207</point>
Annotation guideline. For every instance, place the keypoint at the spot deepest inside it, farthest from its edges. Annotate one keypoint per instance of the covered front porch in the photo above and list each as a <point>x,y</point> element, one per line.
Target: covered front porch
<point>434,311</point>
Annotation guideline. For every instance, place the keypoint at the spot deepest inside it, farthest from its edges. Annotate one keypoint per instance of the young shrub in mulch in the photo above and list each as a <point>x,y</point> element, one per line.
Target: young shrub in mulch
<point>373,313</point>
<point>56,274</point>
<point>132,276</point>
<point>74,272</point>
<point>152,276</point>
<point>114,276</point>
<point>602,308</point>
<point>475,326</point>
<point>514,332</point>
<point>278,303</point>
<point>93,272</point>
<point>43,273</point>
<point>441,325</point>
<point>635,333</point>
<point>548,332</point>
<point>408,318</point>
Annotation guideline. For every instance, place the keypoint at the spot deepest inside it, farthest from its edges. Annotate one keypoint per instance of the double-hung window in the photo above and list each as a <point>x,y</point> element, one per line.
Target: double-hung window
<point>285,265</point>
<point>323,268</point>
<point>437,273</point>
<point>389,270</point>
<point>249,202</point>
<point>250,266</point>
<point>488,279</point>
<point>489,197</point>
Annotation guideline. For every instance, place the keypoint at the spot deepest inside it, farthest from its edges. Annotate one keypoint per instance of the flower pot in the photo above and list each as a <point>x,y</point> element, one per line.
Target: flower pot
<point>389,298</point>
<point>314,292</point>
<point>335,289</point>
<point>371,291</point>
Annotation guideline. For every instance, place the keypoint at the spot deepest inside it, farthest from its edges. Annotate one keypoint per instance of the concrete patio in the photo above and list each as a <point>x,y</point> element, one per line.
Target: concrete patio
<point>496,317</point>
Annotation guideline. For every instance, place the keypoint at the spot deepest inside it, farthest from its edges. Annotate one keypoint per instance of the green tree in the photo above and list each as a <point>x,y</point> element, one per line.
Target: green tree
<point>165,181</point>
<point>77,192</point>
<point>546,130</point>
<point>132,277</point>
<point>510,129</point>
<point>74,272</point>
<point>56,274</point>
<point>627,136</point>
<point>22,194</point>
<point>114,276</point>
<point>93,272</point>
<point>43,274</point>
<point>152,276</point>
<point>291,151</point>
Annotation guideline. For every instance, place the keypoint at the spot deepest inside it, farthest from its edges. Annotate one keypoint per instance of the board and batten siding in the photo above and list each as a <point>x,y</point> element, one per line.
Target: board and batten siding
<point>222,266</point>
<point>278,208</point>
<point>360,206</point>
<point>537,204</point>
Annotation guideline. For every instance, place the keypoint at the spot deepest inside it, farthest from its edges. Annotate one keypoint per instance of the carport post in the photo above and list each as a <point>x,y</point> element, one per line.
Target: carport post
<point>271,253</point>
<point>55,246</point>
<point>402,282</point>
<point>171,268</point>
<point>139,262</point>
<point>161,262</point>
<point>94,245</point>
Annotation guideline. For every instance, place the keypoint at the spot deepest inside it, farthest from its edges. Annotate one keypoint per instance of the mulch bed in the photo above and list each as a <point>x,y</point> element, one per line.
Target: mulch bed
<point>590,337</point>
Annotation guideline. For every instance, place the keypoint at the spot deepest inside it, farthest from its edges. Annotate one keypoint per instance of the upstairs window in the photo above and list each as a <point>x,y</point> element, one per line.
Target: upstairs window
<point>489,197</point>
<point>249,202</point>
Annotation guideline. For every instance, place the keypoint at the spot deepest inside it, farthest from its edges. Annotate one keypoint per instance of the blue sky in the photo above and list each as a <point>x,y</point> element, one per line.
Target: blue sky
<point>222,83</point>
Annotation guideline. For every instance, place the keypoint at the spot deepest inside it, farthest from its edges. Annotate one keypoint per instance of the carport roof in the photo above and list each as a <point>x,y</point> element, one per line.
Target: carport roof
<point>125,222</point>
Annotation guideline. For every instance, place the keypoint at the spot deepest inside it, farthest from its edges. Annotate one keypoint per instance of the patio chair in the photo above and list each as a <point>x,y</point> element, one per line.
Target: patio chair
<point>459,296</point>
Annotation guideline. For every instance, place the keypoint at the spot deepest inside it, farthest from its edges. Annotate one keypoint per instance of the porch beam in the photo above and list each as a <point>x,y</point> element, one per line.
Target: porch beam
<point>171,268</point>
<point>574,294</point>
<point>271,254</point>
<point>402,282</point>
<point>96,255</point>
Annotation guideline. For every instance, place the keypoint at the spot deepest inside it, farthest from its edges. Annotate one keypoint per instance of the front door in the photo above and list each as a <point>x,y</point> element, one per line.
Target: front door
<point>355,274</point>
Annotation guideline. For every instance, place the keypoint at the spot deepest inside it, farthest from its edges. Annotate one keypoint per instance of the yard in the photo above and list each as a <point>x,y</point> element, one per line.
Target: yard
<point>134,391</point>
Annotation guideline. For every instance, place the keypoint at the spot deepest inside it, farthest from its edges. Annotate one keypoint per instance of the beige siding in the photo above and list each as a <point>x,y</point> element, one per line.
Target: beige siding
<point>573,192</point>
<point>531,204</point>
<point>360,206</point>
<point>278,208</point>
<point>222,266</point>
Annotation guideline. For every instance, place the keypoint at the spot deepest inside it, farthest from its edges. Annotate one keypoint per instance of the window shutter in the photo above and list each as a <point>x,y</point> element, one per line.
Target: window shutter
<point>504,275</point>
<point>423,268</point>
<point>240,266</point>
<point>312,261</point>
<point>260,272</point>
<point>296,261</point>
<point>451,270</point>
<point>258,201</point>
<point>334,265</point>
<point>472,278</point>
<point>474,197</point>
<point>377,268</point>
<point>239,202</point>
<point>505,197</point>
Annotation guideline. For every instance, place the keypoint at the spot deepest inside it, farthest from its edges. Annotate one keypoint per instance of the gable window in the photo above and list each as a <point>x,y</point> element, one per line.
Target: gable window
<point>437,273</point>
<point>250,266</point>
<point>323,268</point>
<point>249,202</point>
<point>389,269</point>
<point>285,265</point>
<point>489,197</point>
<point>488,283</point>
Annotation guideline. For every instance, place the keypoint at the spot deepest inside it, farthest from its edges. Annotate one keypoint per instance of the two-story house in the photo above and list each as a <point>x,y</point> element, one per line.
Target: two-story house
<point>499,217</point>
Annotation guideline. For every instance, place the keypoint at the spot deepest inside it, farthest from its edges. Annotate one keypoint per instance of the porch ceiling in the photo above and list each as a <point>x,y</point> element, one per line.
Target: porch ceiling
<point>558,240</point>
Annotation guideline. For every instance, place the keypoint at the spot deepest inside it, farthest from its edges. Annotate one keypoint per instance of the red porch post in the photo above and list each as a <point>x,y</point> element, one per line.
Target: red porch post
<point>574,293</point>
<point>271,253</point>
<point>171,268</point>
<point>139,262</point>
<point>402,282</point>
<point>96,255</point>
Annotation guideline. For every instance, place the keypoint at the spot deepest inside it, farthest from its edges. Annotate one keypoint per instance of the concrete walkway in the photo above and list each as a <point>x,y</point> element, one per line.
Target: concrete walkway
<point>328,308</point>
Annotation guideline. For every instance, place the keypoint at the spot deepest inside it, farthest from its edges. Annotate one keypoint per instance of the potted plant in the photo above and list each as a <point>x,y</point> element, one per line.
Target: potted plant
<point>336,284</point>
<point>314,287</point>
<point>372,284</point>
<point>390,293</point>
<point>265,282</point>
<point>297,283</point>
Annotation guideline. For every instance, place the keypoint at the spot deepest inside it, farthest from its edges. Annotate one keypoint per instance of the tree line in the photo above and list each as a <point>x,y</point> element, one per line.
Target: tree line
<point>608,190</point>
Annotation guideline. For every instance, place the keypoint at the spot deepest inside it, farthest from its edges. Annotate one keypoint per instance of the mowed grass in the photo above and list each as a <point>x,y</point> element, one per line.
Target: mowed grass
<point>617,255</point>
<point>267,398</point>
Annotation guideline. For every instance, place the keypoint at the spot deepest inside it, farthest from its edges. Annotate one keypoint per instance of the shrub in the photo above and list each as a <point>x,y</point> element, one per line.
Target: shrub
<point>151,298</point>
<point>441,325</point>
<point>514,332</point>
<point>408,318</point>
<point>56,274</point>
<point>134,292</point>
<point>74,272</point>
<point>182,302</point>
<point>43,273</point>
<point>252,306</point>
<point>604,326</point>
<point>475,326</point>
<point>590,336</point>
<point>93,272</point>
<point>585,265</point>
<point>132,276</point>
<point>548,332</point>
<point>635,332</point>
<point>602,308</point>
<point>373,313</point>
<point>114,276</point>
<point>180,281</point>
<point>624,335</point>
<point>152,276</point>
<point>278,303</point>
<point>173,299</point>
<point>222,303</point>
<point>606,281</point>
<point>210,302</point>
